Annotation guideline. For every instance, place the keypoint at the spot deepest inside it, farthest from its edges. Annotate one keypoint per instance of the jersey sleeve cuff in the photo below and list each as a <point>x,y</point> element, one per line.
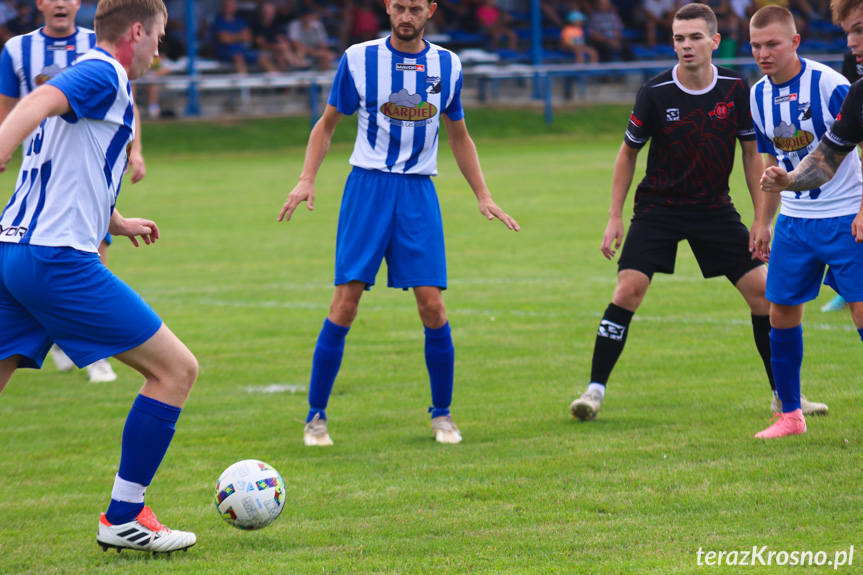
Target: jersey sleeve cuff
<point>833,141</point>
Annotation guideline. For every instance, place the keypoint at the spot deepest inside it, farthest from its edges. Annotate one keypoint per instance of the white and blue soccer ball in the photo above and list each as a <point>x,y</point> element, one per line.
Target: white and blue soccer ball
<point>250,494</point>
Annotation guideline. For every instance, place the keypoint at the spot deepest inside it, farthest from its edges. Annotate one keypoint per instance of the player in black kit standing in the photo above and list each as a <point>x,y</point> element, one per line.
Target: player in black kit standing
<point>695,113</point>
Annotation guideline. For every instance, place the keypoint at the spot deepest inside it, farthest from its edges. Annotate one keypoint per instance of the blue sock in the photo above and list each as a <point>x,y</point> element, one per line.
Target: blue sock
<point>325,367</point>
<point>146,437</point>
<point>440,361</point>
<point>786,346</point>
<point>860,331</point>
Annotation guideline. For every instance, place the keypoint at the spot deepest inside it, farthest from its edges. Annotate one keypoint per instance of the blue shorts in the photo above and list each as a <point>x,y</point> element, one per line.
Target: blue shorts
<point>802,248</point>
<point>391,216</point>
<point>66,296</point>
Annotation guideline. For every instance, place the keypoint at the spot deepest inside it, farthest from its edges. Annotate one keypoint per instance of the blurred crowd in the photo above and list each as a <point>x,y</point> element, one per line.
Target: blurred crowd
<point>286,35</point>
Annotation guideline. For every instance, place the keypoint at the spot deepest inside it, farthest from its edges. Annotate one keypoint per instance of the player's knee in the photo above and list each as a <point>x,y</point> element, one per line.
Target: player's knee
<point>856,309</point>
<point>432,314</point>
<point>186,372</point>
<point>629,296</point>
<point>343,312</point>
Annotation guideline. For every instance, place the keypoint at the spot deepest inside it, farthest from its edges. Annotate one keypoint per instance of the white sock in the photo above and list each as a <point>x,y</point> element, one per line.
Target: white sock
<point>127,491</point>
<point>597,387</point>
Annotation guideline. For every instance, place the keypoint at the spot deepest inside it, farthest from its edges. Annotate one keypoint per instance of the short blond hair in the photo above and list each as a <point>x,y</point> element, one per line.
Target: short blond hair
<point>114,17</point>
<point>773,14</point>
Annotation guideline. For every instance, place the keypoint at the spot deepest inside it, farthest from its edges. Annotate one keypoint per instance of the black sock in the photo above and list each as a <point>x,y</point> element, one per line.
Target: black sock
<point>761,331</point>
<point>610,339</point>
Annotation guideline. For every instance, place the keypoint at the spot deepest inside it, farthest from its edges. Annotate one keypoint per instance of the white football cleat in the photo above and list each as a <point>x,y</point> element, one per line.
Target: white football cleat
<point>61,360</point>
<point>101,372</point>
<point>586,407</point>
<point>144,533</point>
<point>445,431</point>
<point>808,407</point>
<point>315,432</point>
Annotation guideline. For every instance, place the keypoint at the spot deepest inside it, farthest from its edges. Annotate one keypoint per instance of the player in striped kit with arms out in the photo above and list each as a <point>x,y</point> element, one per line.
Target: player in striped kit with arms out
<point>400,86</point>
<point>27,62</point>
<point>52,286</point>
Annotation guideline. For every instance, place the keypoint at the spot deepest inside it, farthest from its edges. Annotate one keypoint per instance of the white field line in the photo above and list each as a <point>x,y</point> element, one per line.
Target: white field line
<point>492,314</point>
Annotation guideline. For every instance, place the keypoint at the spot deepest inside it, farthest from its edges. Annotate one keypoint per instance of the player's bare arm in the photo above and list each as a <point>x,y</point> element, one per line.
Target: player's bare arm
<point>765,205</point>
<point>42,103</point>
<point>467,158</point>
<point>815,170</point>
<point>136,153</point>
<point>316,151</point>
<point>621,180</point>
<point>6,106</point>
<point>133,227</point>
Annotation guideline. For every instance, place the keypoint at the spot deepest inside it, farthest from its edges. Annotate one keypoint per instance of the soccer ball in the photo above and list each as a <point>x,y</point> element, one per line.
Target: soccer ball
<point>250,494</point>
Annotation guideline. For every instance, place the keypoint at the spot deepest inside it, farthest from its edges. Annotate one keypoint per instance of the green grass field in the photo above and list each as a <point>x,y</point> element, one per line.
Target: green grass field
<point>669,467</point>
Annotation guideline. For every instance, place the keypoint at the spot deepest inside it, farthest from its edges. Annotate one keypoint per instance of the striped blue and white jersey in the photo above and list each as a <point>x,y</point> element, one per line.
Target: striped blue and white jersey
<point>73,164</point>
<point>399,98</point>
<point>790,119</point>
<point>30,60</point>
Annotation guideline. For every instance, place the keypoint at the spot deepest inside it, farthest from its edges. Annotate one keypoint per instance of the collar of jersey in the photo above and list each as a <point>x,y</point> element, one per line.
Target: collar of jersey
<point>406,55</point>
<point>794,79</point>
<point>105,52</point>
<point>53,39</point>
<point>695,92</point>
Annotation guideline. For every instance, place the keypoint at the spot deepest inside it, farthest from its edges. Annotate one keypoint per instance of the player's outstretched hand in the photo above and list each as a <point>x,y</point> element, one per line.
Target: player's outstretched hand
<point>137,166</point>
<point>133,227</point>
<point>491,211</point>
<point>775,179</point>
<point>612,237</point>
<point>301,193</point>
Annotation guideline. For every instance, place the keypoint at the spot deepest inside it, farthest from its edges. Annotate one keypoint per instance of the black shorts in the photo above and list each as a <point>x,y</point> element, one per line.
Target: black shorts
<point>718,239</point>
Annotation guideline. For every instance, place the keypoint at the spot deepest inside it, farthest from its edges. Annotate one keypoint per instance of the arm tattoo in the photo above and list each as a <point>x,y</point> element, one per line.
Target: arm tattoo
<point>817,168</point>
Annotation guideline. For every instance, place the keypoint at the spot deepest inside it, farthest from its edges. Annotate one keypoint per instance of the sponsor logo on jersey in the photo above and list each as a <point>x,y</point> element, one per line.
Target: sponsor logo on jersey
<point>47,73</point>
<point>61,48</point>
<point>406,109</point>
<point>410,67</point>
<point>789,138</point>
<point>722,110</point>
<point>433,85</point>
<point>635,120</point>
<point>13,231</point>
<point>782,99</point>
<point>804,111</point>
<point>672,114</point>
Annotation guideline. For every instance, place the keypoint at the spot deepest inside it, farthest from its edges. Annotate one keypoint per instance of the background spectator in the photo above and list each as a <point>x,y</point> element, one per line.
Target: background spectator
<point>359,22</point>
<point>658,15</point>
<point>605,33</point>
<point>495,24</point>
<point>573,38</point>
<point>232,38</point>
<point>274,50</point>
<point>308,38</point>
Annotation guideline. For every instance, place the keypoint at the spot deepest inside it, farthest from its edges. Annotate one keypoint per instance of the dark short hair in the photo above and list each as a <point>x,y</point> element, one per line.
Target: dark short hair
<point>694,11</point>
<point>840,9</point>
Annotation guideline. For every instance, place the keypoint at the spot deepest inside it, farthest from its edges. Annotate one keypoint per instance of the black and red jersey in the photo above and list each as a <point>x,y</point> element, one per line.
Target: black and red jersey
<point>847,131</point>
<point>694,137</point>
